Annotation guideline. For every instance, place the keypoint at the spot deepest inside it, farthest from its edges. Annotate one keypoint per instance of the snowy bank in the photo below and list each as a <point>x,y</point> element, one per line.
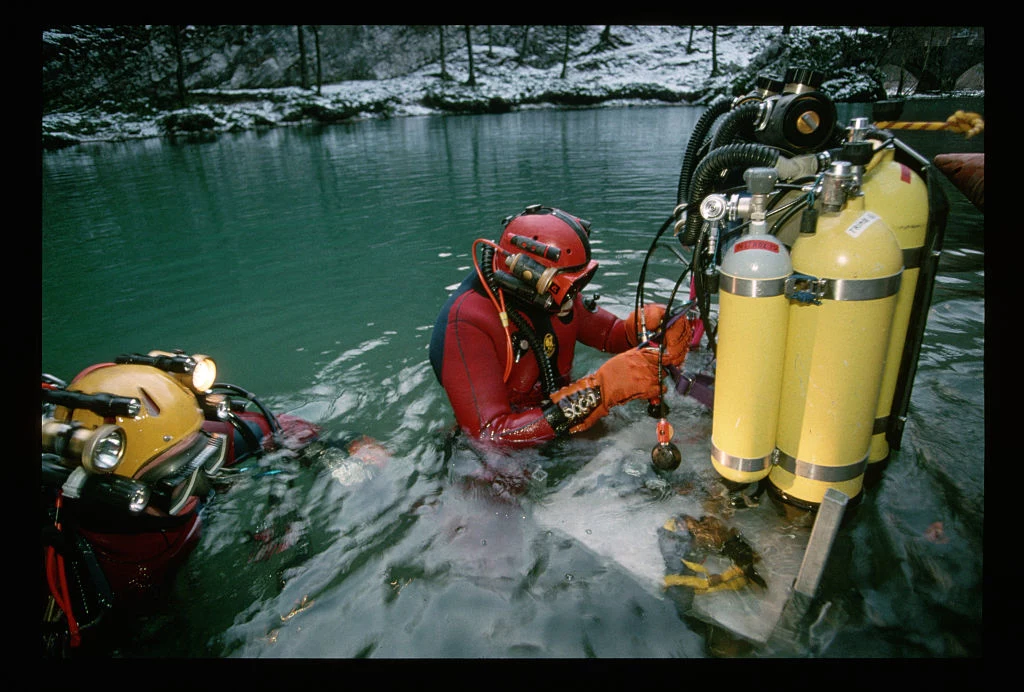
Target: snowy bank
<point>647,64</point>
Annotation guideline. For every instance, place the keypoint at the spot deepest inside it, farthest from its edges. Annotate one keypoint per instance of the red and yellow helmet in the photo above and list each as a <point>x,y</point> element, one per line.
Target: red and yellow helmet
<point>549,250</point>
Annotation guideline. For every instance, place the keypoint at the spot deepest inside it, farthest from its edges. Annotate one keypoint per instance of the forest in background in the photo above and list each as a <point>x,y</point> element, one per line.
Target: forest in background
<point>131,68</point>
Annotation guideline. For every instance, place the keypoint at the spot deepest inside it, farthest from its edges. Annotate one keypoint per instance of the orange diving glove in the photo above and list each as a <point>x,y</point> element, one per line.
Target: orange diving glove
<point>677,341</point>
<point>624,377</point>
<point>652,314</point>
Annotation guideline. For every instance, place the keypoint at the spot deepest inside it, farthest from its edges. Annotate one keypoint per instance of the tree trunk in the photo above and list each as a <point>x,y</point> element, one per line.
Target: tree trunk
<point>689,41</point>
<point>522,50</point>
<point>490,42</point>
<point>303,76</point>
<point>319,63</point>
<point>469,49</point>
<point>444,72</point>
<point>565,54</point>
<point>714,51</point>
<point>178,35</point>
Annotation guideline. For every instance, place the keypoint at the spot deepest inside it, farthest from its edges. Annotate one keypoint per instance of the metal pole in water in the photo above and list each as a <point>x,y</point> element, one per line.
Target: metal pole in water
<point>826,525</point>
<point>819,545</point>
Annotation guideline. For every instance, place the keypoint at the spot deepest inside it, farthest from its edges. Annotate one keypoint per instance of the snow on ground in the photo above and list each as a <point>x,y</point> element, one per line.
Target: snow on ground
<point>645,60</point>
<point>648,55</point>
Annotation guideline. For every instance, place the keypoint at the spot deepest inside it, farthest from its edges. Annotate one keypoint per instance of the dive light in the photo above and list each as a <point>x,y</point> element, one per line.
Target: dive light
<point>100,403</point>
<point>197,372</point>
<point>100,450</point>
<point>107,491</point>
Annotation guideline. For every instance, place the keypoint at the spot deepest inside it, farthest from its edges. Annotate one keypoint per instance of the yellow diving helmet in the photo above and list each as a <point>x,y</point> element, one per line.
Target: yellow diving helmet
<point>164,444</point>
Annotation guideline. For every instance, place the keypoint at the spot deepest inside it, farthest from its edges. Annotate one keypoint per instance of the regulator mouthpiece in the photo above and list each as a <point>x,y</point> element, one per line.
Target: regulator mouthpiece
<point>517,288</point>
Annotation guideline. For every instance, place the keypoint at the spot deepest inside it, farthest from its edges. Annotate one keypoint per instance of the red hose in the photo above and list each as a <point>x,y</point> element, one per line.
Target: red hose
<point>56,578</point>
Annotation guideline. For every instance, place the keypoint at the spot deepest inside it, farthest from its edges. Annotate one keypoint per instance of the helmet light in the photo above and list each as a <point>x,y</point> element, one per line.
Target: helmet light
<point>197,372</point>
<point>204,374</point>
<point>104,449</point>
<point>114,492</point>
<point>138,500</point>
<point>217,405</point>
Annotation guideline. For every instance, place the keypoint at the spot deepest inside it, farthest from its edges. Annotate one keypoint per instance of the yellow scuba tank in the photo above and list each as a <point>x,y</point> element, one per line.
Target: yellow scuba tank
<point>900,196</point>
<point>846,277</point>
<point>752,321</point>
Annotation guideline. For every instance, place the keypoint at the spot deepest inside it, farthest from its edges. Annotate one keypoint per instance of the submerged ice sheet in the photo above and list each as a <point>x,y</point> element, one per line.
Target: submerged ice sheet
<point>616,504</point>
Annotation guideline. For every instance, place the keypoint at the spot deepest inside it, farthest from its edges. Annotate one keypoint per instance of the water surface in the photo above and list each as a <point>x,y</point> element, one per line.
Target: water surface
<point>311,263</point>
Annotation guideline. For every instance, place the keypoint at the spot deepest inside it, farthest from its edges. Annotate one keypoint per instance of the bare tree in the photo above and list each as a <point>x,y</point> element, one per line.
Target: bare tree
<point>526,37</point>
<point>689,41</point>
<point>714,51</point>
<point>565,53</point>
<point>902,44</point>
<point>606,41</point>
<point>319,64</point>
<point>178,38</point>
<point>303,76</point>
<point>471,81</point>
<point>444,73</point>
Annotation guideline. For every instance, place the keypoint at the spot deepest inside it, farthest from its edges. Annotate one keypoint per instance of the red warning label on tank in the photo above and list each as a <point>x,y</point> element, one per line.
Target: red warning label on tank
<point>756,244</point>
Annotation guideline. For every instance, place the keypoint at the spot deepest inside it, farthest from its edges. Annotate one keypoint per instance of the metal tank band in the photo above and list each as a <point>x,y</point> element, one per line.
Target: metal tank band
<point>819,472</point>
<point>850,289</point>
<point>880,426</point>
<point>912,258</point>
<point>752,288</point>
<point>741,464</point>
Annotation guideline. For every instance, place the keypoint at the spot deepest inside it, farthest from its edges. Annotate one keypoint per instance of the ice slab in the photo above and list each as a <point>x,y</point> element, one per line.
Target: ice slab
<point>613,508</point>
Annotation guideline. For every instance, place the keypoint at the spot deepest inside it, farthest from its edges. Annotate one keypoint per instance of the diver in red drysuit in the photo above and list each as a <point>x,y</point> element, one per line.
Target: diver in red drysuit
<point>512,386</point>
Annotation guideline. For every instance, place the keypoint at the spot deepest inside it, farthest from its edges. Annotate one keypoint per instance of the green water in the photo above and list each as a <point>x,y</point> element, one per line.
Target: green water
<point>311,264</point>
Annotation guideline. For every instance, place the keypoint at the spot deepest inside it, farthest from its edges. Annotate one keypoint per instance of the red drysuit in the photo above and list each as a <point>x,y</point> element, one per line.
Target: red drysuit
<point>468,353</point>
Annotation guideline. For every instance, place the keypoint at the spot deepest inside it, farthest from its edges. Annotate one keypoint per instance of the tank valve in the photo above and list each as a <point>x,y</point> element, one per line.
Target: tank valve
<point>761,183</point>
<point>836,186</point>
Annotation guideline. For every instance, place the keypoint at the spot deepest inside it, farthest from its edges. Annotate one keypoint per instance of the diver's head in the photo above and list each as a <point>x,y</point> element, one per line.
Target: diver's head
<point>547,251</point>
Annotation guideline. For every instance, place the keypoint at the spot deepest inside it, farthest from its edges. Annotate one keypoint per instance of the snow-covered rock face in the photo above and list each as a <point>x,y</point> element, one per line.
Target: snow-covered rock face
<point>238,78</point>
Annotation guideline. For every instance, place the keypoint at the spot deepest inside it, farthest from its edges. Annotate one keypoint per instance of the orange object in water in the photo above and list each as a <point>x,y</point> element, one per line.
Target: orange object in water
<point>665,431</point>
<point>967,173</point>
